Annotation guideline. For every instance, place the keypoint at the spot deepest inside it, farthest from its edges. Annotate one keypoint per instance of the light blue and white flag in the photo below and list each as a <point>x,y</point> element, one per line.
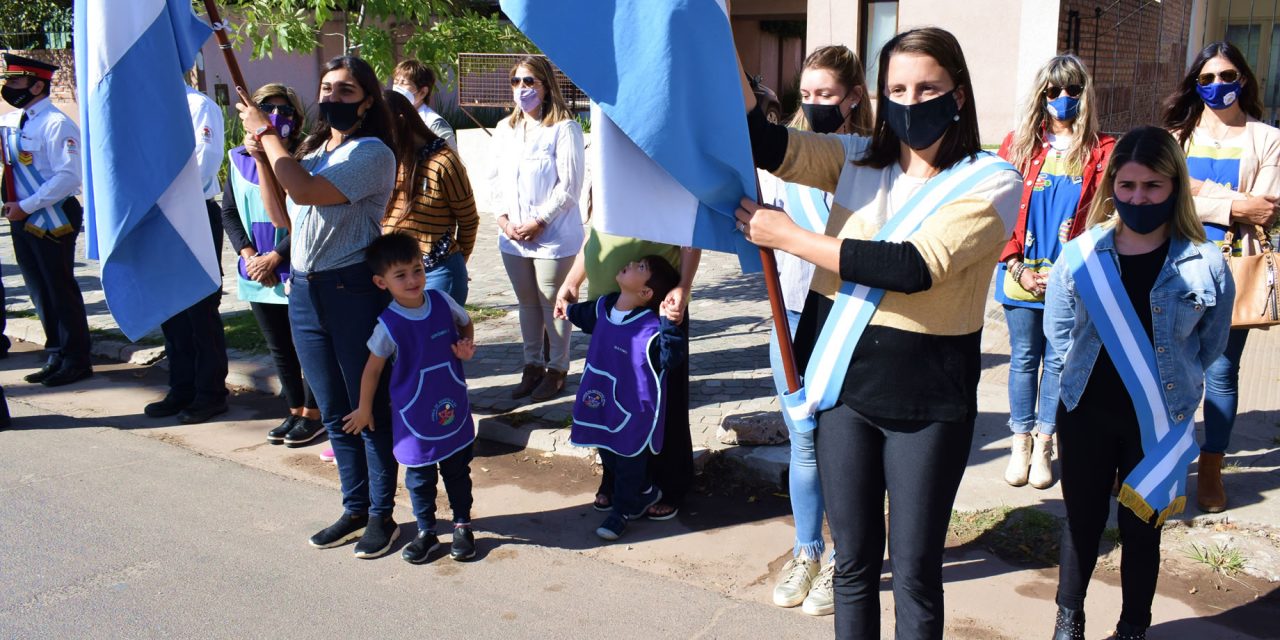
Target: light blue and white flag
<point>672,157</point>
<point>146,220</point>
<point>1157,487</point>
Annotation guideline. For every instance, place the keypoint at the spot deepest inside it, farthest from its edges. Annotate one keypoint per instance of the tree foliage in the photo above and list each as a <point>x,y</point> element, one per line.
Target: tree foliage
<point>24,23</point>
<point>434,31</point>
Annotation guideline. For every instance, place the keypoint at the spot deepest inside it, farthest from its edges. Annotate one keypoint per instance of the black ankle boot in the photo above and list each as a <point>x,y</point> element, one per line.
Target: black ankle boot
<point>1069,624</point>
<point>1126,631</point>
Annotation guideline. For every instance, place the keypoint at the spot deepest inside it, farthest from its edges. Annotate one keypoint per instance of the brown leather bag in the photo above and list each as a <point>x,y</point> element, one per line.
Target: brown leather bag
<point>1255,277</point>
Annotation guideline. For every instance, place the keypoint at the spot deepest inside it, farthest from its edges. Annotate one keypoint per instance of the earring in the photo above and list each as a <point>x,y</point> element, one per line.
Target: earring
<point>956,117</point>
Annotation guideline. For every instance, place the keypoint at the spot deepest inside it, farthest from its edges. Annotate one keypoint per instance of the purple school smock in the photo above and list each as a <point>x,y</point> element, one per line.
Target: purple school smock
<point>431,417</point>
<point>621,403</point>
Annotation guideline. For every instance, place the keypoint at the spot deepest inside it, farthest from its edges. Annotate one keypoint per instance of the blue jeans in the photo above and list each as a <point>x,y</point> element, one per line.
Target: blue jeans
<point>1028,348</point>
<point>450,277</point>
<point>802,473</point>
<point>333,314</point>
<point>1222,394</point>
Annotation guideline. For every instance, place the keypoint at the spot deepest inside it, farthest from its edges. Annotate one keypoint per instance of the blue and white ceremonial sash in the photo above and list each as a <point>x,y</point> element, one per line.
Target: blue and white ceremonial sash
<point>808,207</point>
<point>51,219</point>
<point>1157,486</point>
<point>855,304</point>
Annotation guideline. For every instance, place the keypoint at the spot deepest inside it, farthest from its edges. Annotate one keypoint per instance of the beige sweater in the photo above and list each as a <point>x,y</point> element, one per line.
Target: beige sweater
<point>960,243</point>
<point>1259,176</point>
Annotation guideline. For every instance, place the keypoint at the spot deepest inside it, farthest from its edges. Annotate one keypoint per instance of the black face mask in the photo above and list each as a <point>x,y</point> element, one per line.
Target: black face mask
<point>342,116</point>
<point>823,118</point>
<point>17,98</point>
<point>1145,218</point>
<point>921,124</point>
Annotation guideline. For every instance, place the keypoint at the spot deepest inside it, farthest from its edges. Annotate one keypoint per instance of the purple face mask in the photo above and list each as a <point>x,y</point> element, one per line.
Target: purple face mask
<point>282,123</point>
<point>527,98</point>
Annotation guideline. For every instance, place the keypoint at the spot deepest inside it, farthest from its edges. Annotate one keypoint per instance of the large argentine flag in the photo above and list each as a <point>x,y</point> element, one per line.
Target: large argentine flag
<point>146,221</point>
<point>671,155</point>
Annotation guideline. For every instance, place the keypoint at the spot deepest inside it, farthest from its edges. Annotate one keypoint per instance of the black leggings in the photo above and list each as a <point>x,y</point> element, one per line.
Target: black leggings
<point>1094,445</point>
<point>273,320</point>
<point>920,465</point>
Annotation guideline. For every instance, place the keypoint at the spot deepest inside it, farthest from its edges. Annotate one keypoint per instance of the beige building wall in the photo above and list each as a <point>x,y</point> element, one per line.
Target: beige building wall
<point>832,22</point>
<point>990,32</point>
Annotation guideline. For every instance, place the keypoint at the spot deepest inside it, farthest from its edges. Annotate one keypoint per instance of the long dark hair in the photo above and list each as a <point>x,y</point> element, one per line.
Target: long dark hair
<point>408,128</point>
<point>961,140</point>
<point>376,121</point>
<point>1183,107</point>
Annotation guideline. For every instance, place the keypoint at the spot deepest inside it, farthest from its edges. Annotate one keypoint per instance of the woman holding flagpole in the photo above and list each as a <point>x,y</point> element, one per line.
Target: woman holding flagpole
<point>337,196</point>
<point>1140,306</point>
<point>833,97</point>
<point>889,339</point>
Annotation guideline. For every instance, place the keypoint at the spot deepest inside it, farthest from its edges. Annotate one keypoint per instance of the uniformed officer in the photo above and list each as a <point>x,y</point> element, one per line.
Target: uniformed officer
<point>194,340</point>
<point>41,178</point>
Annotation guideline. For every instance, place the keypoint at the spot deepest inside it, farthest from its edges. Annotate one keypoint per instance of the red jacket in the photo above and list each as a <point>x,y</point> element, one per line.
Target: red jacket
<point>1092,176</point>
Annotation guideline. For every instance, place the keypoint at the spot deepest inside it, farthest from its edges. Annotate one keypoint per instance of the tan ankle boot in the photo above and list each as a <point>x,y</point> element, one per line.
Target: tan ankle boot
<point>1041,476</point>
<point>529,379</point>
<point>1019,460</point>
<point>1210,494</point>
<point>550,386</point>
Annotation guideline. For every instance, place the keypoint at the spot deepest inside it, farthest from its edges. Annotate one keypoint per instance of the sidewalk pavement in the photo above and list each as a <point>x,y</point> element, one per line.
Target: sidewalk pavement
<point>730,381</point>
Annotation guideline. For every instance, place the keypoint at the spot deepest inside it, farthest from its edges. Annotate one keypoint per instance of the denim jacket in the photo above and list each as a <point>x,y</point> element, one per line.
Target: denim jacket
<point>1190,312</point>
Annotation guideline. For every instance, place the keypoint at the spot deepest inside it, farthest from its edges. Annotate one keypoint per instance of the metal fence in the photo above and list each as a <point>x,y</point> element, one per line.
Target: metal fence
<point>484,81</point>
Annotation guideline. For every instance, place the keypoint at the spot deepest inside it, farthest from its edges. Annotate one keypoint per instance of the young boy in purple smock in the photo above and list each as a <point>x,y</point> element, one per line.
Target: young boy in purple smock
<point>621,400</point>
<point>425,335</point>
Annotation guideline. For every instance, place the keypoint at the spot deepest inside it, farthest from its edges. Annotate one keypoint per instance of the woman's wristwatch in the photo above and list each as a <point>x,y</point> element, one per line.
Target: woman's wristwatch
<point>262,131</point>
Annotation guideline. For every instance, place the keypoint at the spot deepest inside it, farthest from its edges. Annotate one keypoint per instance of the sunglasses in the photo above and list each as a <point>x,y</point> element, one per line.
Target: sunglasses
<point>527,81</point>
<point>1074,90</point>
<point>283,109</point>
<point>1227,75</point>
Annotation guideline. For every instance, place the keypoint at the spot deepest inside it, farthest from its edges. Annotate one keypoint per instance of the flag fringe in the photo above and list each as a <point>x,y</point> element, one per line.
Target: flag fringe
<point>1140,507</point>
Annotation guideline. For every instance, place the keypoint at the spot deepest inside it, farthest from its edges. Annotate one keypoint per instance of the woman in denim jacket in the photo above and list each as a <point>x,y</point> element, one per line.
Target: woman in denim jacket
<point>1181,294</point>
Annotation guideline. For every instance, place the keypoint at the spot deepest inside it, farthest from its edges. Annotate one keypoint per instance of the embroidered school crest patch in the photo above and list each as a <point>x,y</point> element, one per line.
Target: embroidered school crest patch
<point>593,399</point>
<point>444,412</point>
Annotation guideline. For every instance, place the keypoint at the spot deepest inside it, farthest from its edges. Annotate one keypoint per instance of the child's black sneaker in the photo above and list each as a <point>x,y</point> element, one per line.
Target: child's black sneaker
<point>419,551</point>
<point>276,435</point>
<point>650,496</point>
<point>378,537</point>
<point>347,528</point>
<point>612,527</point>
<point>463,546</point>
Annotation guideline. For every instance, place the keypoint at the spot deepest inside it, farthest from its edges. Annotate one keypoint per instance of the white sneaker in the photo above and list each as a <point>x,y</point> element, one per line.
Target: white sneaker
<point>1019,461</point>
<point>793,585</point>
<point>821,600</point>
<point>1041,476</point>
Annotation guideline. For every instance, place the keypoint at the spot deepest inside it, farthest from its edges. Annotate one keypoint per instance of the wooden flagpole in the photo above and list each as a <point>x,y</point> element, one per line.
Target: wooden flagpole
<point>773,285</point>
<point>273,194</point>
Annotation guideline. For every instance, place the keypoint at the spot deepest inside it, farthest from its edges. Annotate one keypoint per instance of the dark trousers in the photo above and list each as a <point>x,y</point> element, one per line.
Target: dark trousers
<point>630,481</point>
<point>195,342</point>
<point>421,484</point>
<point>4,321</point>
<point>48,268</point>
<point>920,465</point>
<point>273,321</point>
<point>332,314</point>
<point>1094,444</point>
<point>672,468</point>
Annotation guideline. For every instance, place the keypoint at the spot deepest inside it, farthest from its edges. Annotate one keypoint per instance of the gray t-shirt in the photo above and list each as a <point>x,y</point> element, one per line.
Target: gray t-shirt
<point>380,343</point>
<point>335,236</point>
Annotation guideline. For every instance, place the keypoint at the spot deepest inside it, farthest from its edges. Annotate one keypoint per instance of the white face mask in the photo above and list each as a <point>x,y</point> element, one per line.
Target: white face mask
<point>404,91</point>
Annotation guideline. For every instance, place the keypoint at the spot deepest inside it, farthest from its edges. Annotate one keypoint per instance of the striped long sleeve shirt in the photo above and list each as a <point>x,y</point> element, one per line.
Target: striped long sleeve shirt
<point>440,201</point>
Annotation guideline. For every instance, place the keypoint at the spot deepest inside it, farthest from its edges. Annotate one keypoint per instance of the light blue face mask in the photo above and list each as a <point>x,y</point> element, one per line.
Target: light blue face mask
<point>1064,107</point>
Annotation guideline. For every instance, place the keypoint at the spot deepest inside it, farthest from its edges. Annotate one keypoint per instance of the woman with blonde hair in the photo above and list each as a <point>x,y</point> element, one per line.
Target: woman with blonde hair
<point>1139,308</point>
<point>263,267</point>
<point>833,97</point>
<point>537,185</point>
<point>1062,154</point>
<point>1234,161</point>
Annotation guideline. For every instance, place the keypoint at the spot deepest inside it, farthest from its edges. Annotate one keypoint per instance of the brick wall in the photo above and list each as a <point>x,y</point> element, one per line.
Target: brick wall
<point>1136,64</point>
